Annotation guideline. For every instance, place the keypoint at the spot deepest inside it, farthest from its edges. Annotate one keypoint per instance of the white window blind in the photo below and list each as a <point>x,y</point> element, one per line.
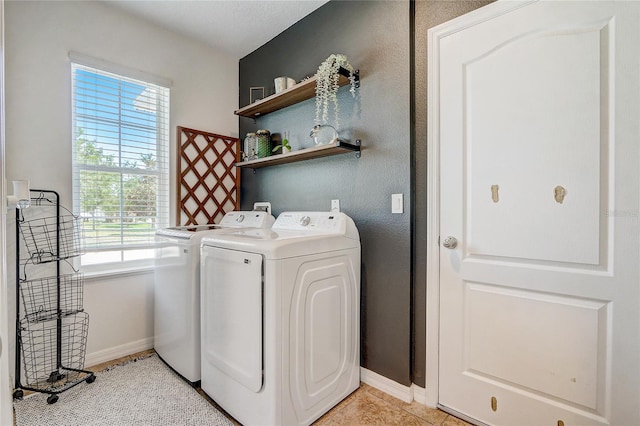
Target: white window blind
<point>120,163</point>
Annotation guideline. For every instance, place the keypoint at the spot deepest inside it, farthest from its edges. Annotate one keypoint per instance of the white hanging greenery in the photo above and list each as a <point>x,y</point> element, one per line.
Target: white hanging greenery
<point>327,86</point>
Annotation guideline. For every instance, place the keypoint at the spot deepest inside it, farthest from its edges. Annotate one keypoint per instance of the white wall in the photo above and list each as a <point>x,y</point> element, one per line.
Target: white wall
<point>204,94</point>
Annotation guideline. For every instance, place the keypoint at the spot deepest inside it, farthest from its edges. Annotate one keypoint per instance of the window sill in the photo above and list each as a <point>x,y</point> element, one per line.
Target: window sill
<point>93,275</point>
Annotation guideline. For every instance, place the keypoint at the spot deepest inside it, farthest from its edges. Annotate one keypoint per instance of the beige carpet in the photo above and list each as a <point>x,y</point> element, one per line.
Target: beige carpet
<point>143,392</point>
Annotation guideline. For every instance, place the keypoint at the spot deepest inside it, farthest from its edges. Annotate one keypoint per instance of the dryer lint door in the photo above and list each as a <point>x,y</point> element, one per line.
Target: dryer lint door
<point>232,314</point>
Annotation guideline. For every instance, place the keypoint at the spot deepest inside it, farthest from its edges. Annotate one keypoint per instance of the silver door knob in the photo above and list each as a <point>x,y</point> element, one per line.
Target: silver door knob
<point>450,242</point>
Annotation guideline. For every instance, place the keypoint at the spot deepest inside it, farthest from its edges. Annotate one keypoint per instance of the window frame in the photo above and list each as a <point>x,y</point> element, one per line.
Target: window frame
<point>126,257</point>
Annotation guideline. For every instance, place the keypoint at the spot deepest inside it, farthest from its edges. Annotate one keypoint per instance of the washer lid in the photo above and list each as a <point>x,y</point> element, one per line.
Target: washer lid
<point>185,232</point>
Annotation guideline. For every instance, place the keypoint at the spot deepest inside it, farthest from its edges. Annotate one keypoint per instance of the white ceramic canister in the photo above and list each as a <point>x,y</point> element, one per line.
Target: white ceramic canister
<point>280,83</point>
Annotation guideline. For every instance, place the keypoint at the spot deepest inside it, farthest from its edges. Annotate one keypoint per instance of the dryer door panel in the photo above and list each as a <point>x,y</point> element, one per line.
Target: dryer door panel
<point>322,333</point>
<point>232,314</point>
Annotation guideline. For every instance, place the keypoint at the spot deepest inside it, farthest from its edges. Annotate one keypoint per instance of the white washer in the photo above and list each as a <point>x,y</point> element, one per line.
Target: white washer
<point>281,318</point>
<point>177,288</point>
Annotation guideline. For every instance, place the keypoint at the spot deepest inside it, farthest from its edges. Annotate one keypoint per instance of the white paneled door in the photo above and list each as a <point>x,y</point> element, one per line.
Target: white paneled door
<point>538,132</point>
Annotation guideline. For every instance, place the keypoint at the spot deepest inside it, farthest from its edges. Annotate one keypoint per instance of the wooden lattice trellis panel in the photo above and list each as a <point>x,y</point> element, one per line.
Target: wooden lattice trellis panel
<point>208,182</point>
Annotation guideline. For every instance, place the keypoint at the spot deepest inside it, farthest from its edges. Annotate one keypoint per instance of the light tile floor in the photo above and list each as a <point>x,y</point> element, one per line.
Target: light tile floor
<point>370,406</point>
<point>366,406</point>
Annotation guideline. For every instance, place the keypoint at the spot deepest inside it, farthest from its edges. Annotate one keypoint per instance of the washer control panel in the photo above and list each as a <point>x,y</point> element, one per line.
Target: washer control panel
<point>247,219</point>
<point>325,222</point>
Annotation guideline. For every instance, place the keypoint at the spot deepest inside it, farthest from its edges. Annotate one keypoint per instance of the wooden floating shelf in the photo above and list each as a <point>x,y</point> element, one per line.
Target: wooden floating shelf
<point>339,147</point>
<point>298,93</point>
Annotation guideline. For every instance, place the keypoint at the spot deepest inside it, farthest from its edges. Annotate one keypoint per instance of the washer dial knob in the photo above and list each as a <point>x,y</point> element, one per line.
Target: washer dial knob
<point>305,220</point>
<point>240,218</point>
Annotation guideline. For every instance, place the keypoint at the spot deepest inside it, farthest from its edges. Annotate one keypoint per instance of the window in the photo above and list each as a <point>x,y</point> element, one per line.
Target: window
<point>120,165</point>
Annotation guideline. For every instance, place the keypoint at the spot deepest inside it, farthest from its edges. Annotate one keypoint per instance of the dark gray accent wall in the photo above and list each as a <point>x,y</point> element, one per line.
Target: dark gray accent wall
<point>375,37</point>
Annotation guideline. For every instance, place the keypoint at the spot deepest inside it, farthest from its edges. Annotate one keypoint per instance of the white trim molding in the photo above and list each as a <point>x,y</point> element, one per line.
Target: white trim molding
<point>104,65</point>
<point>395,389</point>
<point>420,395</point>
<point>6,378</point>
<point>110,354</point>
<point>433,214</point>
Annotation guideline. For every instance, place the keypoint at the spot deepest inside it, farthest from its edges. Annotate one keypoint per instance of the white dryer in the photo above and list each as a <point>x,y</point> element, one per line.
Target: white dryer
<point>177,288</point>
<point>281,318</point>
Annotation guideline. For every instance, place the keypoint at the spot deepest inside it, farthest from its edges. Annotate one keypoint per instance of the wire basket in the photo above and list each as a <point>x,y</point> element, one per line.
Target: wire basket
<point>39,343</point>
<point>40,238</point>
<point>40,297</point>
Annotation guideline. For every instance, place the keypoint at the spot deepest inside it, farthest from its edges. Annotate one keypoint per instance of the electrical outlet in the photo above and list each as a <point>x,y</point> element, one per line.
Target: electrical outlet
<point>335,205</point>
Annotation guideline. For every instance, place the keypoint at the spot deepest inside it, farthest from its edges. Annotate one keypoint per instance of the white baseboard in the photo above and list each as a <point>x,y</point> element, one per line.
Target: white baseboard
<point>110,354</point>
<point>395,389</point>
<point>431,397</point>
<point>419,394</point>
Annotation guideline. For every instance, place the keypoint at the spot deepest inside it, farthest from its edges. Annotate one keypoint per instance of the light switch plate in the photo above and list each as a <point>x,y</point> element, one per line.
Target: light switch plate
<point>397,203</point>
<point>335,205</point>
